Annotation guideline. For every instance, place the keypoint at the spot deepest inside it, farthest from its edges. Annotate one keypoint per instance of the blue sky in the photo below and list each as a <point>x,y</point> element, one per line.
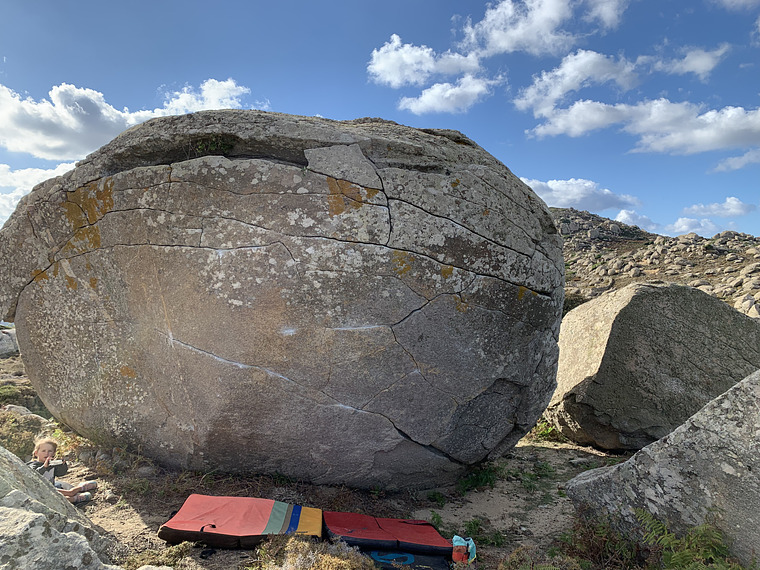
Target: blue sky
<point>645,111</point>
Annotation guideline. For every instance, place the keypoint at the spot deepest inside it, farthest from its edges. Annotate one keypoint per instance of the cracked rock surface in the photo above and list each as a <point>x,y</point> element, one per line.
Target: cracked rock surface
<point>704,471</point>
<point>638,362</point>
<point>352,302</point>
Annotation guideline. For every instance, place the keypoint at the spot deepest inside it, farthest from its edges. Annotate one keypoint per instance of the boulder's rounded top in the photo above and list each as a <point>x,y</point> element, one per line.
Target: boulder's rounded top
<point>277,136</point>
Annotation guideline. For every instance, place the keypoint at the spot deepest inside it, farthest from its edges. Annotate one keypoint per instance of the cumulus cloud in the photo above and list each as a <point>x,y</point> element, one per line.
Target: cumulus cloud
<point>532,26</point>
<point>579,194</point>
<point>20,182</point>
<point>448,97</point>
<point>632,218</point>
<point>396,64</point>
<point>731,207</point>
<point>698,61</point>
<point>607,12</point>
<point>577,70</point>
<point>737,162</point>
<point>703,227</point>
<point>660,125</point>
<point>75,121</point>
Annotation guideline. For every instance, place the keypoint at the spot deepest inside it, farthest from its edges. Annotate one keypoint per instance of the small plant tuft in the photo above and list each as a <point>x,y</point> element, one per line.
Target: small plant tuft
<point>703,546</point>
<point>481,476</point>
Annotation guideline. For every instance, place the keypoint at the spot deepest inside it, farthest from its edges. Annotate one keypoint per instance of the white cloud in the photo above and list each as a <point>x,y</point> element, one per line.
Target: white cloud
<point>532,26</point>
<point>632,218</point>
<point>20,182</point>
<point>450,98</point>
<point>607,12</point>
<point>576,71</point>
<point>396,64</point>
<point>579,194</point>
<point>213,94</point>
<point>75,121</point>
<point>703,227</point>
<point>695,60</point>
<point>731,207</point>
<point>737,162</point>
<point>660,125</point>
<point>738,4</point>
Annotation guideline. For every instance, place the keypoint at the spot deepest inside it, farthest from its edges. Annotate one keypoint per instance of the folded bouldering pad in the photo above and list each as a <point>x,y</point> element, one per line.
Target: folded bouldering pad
<point>391,542</point>
<point>237,522</point>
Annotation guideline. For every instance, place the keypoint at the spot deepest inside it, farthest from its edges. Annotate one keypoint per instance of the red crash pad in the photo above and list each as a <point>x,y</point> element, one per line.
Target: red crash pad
<point>237,522</point>
<point>367,532</point>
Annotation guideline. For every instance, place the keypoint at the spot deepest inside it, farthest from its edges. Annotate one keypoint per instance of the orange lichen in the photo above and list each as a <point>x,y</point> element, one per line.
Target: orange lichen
<point>93,282</point>
<point>402,262</point>
<point>461,305</point>
<point>455,183</point>
<point>128,372</point>
<point>345,195</point>
<point>39,275</point>
<point>447,271</point>
<point>520,292</point>
<point>94,200</point>
<point>71,283</point>
<point>83,208</point>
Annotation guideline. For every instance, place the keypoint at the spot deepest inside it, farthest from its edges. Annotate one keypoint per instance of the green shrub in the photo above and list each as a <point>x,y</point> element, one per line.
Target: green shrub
<point>702,547</point>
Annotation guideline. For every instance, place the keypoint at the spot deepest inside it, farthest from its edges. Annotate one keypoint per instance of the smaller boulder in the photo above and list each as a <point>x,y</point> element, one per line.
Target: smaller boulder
<point>8,343</point>
<point>639,361</point>
<point>704,471</point>
<point>40,529</point>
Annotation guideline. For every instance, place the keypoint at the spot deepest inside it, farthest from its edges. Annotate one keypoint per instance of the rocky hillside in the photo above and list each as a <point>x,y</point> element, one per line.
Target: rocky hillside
<point>601,254</point>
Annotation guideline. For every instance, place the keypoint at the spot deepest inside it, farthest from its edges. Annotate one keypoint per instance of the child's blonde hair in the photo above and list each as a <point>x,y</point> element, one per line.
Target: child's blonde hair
<point>40,442</point>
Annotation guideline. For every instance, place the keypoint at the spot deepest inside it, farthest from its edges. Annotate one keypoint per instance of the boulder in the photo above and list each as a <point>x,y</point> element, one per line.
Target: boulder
<point>343,302</point>
<point>704,471</point>
<point>638,362</point>
<point>8,343</point>
<point>40,529</point>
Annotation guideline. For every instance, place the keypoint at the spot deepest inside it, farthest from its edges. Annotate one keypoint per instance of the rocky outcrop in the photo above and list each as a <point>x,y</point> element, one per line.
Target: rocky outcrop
<point>345,302</point>
<point>705,471</point>
<point>39,529</point>
<point>602,255</point>
<point>638,362</point>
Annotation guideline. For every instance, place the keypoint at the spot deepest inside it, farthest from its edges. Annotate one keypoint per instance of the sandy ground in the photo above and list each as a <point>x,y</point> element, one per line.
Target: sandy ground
<point>524,503</point>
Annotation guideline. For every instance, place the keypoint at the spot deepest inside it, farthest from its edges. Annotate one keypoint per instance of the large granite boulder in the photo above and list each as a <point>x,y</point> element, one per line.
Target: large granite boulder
<point>40,529</point>
<point>638,362</point>
<point>345,302</point>
<point>704,471</point>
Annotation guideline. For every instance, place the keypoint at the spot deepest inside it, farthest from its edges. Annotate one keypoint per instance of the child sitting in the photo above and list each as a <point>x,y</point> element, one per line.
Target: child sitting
<point>44,464</point>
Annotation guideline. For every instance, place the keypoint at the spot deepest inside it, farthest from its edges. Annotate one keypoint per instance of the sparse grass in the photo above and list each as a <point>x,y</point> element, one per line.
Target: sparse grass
<point>479,477</point>
<point>530,480</point>
<point>438,498</point>
<point>525,558</point>
<point>166,557</point>
<point>544,430</point>
<point>17,434</point>
<point>596,545</point>
<point>299,553</point>
<point>483,533</point>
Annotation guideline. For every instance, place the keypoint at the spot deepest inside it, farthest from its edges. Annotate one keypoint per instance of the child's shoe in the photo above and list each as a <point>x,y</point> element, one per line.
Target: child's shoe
<point>81,498</point>
<point>88,486</point>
